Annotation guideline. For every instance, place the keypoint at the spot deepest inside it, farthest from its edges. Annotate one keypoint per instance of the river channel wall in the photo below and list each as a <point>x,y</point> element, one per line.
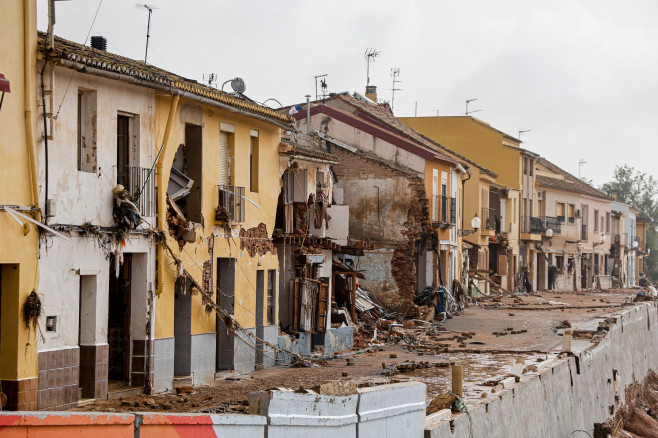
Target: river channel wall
<point>568,394</point>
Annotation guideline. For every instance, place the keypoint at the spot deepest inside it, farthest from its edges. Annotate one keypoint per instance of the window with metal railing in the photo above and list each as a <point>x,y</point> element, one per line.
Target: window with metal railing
<point>230,205</point>
<point>141,187</point>
<point>554,223</point>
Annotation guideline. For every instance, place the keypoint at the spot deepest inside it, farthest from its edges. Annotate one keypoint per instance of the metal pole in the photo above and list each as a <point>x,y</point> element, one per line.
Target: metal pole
<point>308,114</point>
<point>148,33</point>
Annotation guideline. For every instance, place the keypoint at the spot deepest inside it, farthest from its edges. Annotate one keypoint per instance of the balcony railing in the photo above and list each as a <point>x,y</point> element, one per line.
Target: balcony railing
<point>141,187</point>
<point>444,211</point>
<point>488,218</point>
<point>554,223</point>
<point>532,225</point>
<point>583,233</point>
<point>230,205</point>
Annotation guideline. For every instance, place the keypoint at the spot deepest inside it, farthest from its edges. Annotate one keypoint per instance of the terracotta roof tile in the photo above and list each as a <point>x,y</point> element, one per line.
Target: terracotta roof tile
<point>103,60</point>
<point>569,183</point>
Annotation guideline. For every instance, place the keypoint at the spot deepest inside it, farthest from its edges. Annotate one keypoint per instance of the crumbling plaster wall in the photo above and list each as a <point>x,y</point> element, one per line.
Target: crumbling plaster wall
<point>390,209</point>
<point>572,395</point>
<point>87,196</point>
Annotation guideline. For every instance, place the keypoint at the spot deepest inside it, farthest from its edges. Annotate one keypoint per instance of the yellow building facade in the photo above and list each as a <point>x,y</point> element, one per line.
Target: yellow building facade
<point>19,249</point>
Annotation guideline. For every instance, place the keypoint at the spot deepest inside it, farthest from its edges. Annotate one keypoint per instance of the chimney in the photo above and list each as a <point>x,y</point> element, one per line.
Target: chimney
<point>99,42</point>
<point>371,92</point>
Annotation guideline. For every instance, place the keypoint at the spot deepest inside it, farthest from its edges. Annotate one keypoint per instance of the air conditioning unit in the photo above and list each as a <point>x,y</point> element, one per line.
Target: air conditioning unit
<point>579,213</point>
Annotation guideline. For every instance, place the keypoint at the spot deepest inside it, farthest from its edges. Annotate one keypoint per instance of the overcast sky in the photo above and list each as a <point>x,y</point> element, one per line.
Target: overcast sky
<point>581,75</point>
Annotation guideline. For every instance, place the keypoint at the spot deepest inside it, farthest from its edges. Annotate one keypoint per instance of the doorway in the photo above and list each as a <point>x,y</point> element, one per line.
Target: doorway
<point>87,334</point>
<point>260,313</point>
<point>118,321</point>
<point>182,328</point>
<point>225,343</point>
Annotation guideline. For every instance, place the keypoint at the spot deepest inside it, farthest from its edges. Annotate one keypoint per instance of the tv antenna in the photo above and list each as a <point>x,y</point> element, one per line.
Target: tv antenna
<point>323,84</point>
<point>521,131</point>
<point>371,54</point>
<point>581,163</point>
<point>395,72</point>
<point>149,8</point>
<point>210,79</point>
<point>470,112</point>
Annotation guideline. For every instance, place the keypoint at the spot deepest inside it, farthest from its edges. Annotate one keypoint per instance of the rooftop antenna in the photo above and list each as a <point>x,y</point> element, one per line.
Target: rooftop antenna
<point>521,131</point>
<point>581,163</point>
<point>316,84</point>
<point>395,72</point>
<point>371,54</point>
<point>470,112</point>
<point>323,86</point>
<point>210,79</point>
<point>149,8</point>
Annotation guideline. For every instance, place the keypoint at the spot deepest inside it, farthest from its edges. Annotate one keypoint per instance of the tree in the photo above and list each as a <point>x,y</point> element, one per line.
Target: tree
<point>640,190</point>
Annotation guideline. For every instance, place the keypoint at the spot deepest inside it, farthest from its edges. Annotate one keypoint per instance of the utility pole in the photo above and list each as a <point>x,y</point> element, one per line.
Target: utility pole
<point>395,72</point>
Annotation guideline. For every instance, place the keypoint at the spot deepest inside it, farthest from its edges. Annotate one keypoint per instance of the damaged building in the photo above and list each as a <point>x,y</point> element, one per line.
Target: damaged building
<point>316,301</point>
<point>402,193</point>
<point>158,267</point>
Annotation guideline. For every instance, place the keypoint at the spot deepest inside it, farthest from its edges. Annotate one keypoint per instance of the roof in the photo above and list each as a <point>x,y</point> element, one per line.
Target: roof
<point>379,130</point>
<point>478,121</point>
<point>381,115</point>
<point>569,184</point>
<point>149,75</point>
<point>303,146</point>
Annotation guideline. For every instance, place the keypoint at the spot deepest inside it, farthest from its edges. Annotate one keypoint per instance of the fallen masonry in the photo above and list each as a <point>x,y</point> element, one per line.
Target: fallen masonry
<point>532,377</point>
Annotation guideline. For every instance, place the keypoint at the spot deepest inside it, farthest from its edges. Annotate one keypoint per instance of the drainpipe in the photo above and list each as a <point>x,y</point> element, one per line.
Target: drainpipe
<point>29,46</point>
<point>162,193</point>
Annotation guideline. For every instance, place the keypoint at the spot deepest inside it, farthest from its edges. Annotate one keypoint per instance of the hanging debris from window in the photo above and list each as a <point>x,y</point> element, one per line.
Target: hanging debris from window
<point>32,310</point>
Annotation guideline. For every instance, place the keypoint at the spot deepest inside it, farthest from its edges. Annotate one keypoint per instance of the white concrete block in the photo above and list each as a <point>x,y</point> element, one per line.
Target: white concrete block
<point>396,410</point>
<point>433,420</point>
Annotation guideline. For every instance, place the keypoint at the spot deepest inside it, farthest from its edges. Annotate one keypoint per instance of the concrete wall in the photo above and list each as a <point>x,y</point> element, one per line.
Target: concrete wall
<point>572,393</point>
<point>387,411</point>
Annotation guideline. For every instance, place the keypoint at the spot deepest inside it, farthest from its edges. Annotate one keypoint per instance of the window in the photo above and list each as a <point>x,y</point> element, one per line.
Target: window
<point>559,262</point>
<point>525,166</point>
<point>560,211</point>
<point>531,164</point>
<point>253,161</point>
<point>225,139</point>
<point>123,149</point>
<point>596,221</point>
<point>87,161</point>
<point>572,213</point>
<point>607,223</point>
<point>271,295</point>
<point>294,185</point>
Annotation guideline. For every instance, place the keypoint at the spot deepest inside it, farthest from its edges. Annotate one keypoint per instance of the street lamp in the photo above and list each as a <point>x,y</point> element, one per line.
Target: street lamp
<point>549,233</point>
<point>602,241</point>
<point>475,224</point>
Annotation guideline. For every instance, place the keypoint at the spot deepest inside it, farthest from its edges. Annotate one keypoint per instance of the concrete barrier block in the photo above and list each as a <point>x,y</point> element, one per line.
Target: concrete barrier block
<point>433,420</point>
<point>394,410</point>
<point>293,415</point>
<point>508,382</point>
<point>160,425</point>
<point>67,424</point>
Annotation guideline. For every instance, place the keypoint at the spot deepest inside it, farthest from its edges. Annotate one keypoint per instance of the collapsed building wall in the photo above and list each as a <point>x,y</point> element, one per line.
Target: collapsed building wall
<point>389,208</point>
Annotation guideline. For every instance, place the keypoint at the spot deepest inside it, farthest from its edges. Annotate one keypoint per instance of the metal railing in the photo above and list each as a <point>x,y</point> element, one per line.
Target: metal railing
<point>141,187</point>
<point>554,223</point>
<point>488,218</point>
<point>444,210</point>
<point>230,204</point>
<point>531,224</point>
<point>583,232</point>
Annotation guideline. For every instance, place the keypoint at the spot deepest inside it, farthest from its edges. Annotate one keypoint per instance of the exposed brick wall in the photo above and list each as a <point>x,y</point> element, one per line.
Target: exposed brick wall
<point>413,207</point>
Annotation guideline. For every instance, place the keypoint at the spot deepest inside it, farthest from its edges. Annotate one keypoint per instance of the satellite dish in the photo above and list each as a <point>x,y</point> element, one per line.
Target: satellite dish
<point>238,85</point>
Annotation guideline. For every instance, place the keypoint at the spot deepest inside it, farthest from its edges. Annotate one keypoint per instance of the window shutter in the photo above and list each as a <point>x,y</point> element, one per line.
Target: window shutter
<point>453,210</point>
<point>224,159</point>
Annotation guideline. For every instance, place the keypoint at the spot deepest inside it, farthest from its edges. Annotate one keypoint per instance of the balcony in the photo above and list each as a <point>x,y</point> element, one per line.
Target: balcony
<point>554,223</point>
<point>141,187</point>
<point>444,211</point>
<point>533,225</point>
<point>230,205</point>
